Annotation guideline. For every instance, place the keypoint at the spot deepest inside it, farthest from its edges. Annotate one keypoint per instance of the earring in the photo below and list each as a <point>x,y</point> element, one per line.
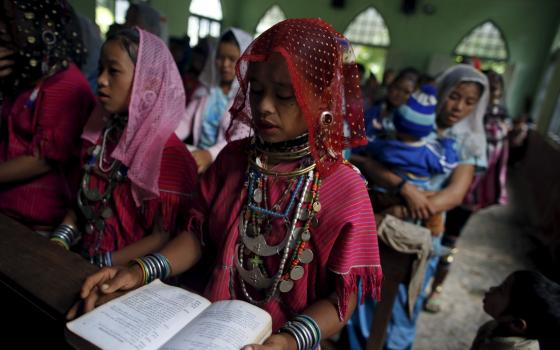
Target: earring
<point>326,118</point>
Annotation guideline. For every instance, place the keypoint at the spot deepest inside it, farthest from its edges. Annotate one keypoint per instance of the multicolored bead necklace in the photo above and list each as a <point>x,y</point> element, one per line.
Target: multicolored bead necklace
<point>294,248</point>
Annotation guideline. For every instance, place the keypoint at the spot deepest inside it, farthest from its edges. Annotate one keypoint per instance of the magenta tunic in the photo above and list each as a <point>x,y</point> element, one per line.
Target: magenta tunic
<point>344,243</point>
<point>48,126</point>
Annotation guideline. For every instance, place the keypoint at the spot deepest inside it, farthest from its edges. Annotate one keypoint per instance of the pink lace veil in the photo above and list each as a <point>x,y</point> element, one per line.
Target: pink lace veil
<point>157,104</point>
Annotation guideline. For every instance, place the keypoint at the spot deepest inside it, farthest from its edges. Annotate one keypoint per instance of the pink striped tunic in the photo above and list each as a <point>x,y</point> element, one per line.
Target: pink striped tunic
<point>344,243</point>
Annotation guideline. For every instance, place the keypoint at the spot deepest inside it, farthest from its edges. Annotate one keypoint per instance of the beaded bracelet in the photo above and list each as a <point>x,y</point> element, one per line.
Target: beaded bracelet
<point>305,331</point>
<point>66,235</point>
<point>153,266</point>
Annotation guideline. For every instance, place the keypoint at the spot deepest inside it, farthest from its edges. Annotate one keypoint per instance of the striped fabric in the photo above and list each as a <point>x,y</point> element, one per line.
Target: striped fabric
<point>129,223</point>
<point>50,126</point>
<point>344,244</point>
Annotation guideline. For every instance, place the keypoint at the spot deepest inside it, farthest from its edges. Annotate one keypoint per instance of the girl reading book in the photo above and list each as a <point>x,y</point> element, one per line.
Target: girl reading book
<point>287,223</point>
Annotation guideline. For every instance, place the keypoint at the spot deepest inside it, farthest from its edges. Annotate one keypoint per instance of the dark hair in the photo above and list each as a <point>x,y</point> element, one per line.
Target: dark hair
<point>361,68</point>
<point>129,38</point>
<point>408,73</point>
<point>475,83</point>
<point>229,37</point>
<point>426,79</point>
<point>536,299</point>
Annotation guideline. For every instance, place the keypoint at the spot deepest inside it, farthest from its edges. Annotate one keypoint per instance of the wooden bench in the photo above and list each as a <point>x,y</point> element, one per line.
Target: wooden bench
<point>39,282</point>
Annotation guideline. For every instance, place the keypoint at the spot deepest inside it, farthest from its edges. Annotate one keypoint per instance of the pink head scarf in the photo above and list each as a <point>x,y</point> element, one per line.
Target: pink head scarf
<point>157,103</point>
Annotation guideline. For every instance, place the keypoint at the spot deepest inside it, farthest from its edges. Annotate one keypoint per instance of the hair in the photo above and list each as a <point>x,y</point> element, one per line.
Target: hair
<point>229,37</point>
<point>150,17</point>
<point>361,68</point>
<point>535,299</point>
<point>129,38</point>
<point>476,83</point>
<point>426,79</point>
<point>408,73</point>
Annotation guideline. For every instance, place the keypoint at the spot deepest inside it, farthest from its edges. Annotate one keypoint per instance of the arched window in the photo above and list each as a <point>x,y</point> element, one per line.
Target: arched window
<point>485,42</point>
<point>370,39</point>
<point>205,19</point>
<point>368,28</point>
<point>272,16</point>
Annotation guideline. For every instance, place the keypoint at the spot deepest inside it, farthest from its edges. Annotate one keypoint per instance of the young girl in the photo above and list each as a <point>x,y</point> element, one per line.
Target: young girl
<point>206,119</point>
<point>138,174</point>
<point>46,102</point>
<point>289,224</point>
<point>526,314</point>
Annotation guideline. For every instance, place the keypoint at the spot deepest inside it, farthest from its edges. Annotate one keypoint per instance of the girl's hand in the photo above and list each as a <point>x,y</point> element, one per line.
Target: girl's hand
<point>5,63</point>
<point>282,341</point>
<point>418,203</point>
<point>203,159</point>
<point>104,285</point>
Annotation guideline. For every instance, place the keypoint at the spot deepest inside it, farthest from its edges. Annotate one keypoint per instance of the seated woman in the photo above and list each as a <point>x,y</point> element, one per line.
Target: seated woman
<point>46,102</point>
<point>289,223</point>
<point>207,118</point>
<point>138,175</point>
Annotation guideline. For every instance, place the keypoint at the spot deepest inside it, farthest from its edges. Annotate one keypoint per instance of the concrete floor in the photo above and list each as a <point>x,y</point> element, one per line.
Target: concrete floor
<point>494,243</point>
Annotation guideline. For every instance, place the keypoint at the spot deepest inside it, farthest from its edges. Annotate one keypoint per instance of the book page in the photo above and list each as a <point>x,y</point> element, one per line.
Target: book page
<point>142,319</point>
<point>225,325</point>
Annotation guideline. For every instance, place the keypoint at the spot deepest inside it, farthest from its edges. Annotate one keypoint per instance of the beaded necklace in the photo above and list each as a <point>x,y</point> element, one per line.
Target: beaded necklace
<point>294,247</point>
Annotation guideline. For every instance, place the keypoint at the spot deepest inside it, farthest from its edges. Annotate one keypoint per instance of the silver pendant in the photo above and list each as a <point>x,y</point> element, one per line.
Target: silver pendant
<point>258,243</point>
<point>286,286</point>
<point>306,235</point>
<point>306,256</point>
<point>304,215</point>
<point>254,277</point>
<point>314,221</point>
<point>88,213</point>
<point>90,228</point>
<point>107,213</point>
<point>92,194</point>
<point>258,195</point>
<point>297,273</point>
<point>317,207</point>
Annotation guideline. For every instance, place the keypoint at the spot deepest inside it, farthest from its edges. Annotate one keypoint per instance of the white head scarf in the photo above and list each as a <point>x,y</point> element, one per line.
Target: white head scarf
<point>209,76</point>
<point>470,130</point>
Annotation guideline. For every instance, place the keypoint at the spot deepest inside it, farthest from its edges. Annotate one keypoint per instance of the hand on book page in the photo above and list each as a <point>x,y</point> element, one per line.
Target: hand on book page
<point>101,287</point>
<point>159,316</point>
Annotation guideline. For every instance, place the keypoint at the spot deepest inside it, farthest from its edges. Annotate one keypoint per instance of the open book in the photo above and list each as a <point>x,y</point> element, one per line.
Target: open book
<point>160,316</point>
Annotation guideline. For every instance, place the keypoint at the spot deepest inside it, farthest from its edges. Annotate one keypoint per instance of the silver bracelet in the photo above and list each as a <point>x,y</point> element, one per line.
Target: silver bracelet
<point>305,331</point>
<point>67,233</point>
<point>102,259</point>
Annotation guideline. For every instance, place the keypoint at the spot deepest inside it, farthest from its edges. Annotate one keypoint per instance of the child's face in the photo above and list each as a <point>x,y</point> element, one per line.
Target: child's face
<point>460,103</point>
<point>114,82</point>
<point>496,300</point>
<point>276,113</point>
<point>399,92</point>
<point>227,55</point>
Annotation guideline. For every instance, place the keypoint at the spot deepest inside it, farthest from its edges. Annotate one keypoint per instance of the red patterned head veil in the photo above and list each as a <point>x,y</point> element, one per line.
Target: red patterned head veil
<point>325,78</point>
